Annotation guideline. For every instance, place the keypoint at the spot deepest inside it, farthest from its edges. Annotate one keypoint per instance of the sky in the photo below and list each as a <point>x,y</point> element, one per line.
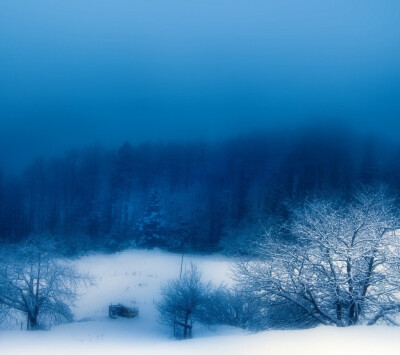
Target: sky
<point>79,72</point>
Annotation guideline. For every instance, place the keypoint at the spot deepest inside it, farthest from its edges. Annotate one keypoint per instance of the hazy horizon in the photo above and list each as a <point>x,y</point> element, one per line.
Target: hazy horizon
<point>79,72</point>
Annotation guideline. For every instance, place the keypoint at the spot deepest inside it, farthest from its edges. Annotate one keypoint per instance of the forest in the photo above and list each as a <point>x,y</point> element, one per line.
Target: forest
<point>193,195</point>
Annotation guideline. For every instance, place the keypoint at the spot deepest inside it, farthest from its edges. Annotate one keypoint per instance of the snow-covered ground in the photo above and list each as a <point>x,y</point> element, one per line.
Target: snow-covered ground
<point>134,278</point>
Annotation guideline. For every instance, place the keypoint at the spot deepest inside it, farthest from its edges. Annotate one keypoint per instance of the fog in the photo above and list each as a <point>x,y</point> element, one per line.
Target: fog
<point>79,72</point>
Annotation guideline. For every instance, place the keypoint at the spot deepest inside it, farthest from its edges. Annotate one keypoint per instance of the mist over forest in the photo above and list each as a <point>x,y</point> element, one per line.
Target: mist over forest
<point>195,195</point>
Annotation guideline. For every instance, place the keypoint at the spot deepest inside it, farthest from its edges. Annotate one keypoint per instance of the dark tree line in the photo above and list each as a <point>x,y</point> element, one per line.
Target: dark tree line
<point>191,194</point>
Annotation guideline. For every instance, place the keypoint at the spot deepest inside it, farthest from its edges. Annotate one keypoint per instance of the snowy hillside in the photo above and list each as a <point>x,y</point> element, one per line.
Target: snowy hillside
<point>134,278</point>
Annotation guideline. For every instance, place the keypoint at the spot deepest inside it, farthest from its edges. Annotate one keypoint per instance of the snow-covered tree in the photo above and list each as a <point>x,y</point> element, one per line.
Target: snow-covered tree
<point>35,282</point>
<point>151,227</point>
<point>344,267</point>
<point>184,300</point>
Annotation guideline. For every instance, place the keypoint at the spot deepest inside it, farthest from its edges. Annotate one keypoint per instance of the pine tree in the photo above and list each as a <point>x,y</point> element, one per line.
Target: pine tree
<point>151,228</point>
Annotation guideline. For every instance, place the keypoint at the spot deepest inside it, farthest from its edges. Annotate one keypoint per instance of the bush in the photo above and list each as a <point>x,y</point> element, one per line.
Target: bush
<point>230,307</point>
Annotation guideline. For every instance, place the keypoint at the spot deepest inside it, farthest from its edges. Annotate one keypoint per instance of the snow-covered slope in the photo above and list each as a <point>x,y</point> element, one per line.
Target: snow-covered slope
<point>134,278</point>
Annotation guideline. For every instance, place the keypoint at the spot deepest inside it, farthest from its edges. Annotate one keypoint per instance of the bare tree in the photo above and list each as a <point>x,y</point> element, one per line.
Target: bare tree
<point>343,268</point>
<point>184,299</point>
<point>35,282</point>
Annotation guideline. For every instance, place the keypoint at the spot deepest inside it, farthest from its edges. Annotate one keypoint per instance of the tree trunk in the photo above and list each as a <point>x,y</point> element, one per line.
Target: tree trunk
<point>32,322</point>
<point>186,325</point>
<point>339,313</point>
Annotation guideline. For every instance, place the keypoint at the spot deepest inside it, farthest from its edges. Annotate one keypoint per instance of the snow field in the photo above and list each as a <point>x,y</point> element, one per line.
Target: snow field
<point>134,278</point>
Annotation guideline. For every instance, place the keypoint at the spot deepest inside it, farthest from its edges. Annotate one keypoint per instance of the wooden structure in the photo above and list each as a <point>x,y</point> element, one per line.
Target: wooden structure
<point>119,310</point>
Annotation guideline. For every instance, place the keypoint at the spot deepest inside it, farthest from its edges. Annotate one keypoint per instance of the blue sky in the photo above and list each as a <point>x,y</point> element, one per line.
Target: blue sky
<point>77,72</point>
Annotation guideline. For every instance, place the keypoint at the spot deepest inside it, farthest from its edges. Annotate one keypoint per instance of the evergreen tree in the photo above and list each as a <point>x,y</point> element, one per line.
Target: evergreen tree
<point>151,228</point>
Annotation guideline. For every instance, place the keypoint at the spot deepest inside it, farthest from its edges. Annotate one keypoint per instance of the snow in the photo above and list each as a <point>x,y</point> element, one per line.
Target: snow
<point>134,278</point>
